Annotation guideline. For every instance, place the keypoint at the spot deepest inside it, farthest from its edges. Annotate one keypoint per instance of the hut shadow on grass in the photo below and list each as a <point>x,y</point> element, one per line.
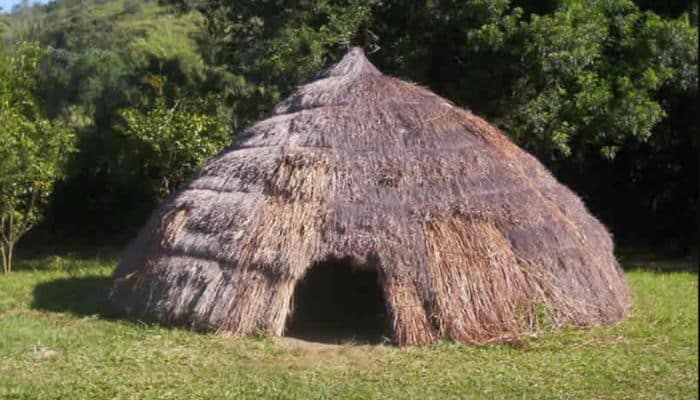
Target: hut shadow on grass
<point>335,303</point>
<point>83,296</point>
<point>88,296</point>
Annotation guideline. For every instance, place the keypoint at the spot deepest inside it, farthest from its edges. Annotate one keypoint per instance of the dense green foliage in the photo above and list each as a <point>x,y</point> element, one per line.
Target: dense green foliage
<point>131,79</point>
<point>55,342</point>
<point>33,149</point>
<point>602,91</point>
<point>170,142</point>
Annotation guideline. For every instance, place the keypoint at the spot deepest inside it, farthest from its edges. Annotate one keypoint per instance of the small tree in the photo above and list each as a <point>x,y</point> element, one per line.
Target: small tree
<point>171,142</point>
<point>33,149</point>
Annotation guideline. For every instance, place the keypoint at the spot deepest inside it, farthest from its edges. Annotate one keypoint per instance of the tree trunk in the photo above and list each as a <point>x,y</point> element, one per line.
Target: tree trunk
<point>10,234</point>
<point>2,254</point>
<point>6,254</point>
<point>10,246</point>
<point>7,243</point>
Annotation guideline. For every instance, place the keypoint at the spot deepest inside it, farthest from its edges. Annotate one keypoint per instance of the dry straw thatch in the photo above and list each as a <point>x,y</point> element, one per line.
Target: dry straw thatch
<point>472,238</point>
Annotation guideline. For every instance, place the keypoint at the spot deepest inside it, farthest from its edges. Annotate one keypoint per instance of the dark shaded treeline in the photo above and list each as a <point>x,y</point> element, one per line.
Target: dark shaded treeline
<point>603,92</point>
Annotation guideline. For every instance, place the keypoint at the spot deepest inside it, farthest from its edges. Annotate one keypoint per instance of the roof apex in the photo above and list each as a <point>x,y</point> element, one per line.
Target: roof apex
<point>353,64</point>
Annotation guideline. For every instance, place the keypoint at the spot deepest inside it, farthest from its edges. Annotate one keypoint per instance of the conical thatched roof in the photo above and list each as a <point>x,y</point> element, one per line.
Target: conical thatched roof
<point>472,237</point>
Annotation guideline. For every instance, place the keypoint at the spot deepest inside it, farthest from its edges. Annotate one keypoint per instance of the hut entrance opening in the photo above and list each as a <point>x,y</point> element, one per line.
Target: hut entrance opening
<point>337,302</point>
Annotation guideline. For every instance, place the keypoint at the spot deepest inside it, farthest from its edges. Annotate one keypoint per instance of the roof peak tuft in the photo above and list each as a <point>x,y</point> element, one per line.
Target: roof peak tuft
<point>353,64</point>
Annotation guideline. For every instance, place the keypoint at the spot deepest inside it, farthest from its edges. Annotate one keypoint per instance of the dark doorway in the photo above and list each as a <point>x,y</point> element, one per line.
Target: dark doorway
<point>338,302</point>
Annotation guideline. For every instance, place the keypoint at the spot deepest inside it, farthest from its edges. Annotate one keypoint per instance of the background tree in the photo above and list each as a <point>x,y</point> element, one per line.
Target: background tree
<point>170,142</point>
<point>601,91</point>
<point>32,150</point>
<point>113,59</point>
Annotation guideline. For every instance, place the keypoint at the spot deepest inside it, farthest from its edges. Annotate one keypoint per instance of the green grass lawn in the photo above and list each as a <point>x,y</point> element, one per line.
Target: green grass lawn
<point>55,344</point>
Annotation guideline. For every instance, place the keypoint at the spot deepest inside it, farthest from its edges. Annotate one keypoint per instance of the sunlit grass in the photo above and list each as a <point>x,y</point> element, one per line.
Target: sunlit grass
<point>56,343</point>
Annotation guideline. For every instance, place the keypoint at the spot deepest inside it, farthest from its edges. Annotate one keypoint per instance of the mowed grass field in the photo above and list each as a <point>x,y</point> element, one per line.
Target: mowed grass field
<point>55,343</point>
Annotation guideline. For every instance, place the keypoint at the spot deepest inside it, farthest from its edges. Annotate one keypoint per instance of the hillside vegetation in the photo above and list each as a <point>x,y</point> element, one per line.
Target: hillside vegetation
<point>603,92</point>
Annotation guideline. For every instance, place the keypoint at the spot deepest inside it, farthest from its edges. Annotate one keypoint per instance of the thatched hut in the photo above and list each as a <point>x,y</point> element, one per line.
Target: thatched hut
<point>467,236</point>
